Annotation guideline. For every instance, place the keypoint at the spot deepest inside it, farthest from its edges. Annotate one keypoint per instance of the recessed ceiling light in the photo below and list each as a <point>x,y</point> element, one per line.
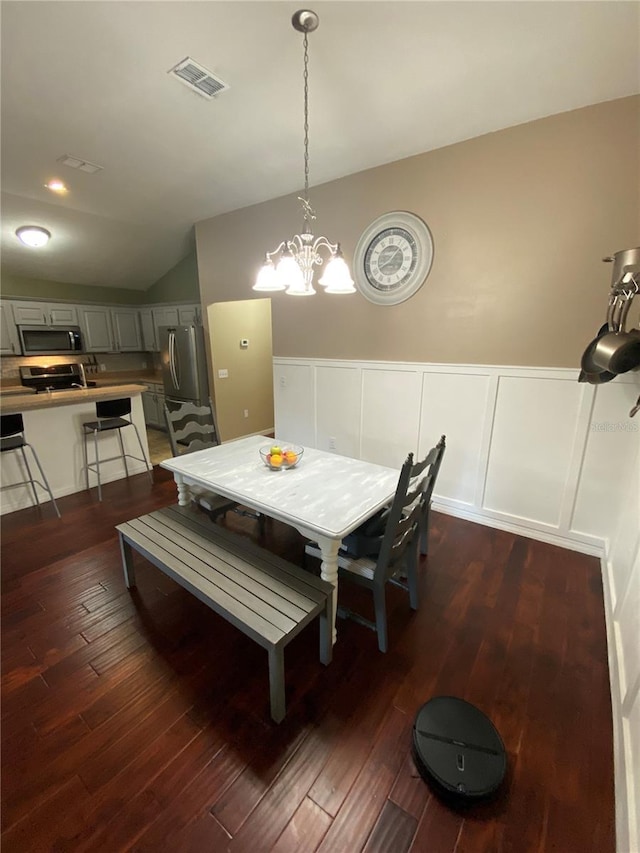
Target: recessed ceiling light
<point>57,186</point>
<point>33,236</point>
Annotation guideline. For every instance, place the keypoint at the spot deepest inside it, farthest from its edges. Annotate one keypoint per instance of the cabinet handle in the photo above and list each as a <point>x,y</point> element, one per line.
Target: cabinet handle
<point>44,317</point>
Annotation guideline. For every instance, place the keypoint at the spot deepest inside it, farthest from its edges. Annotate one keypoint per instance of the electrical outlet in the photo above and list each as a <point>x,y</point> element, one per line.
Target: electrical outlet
<point>332,442</point>
<point>283,381</point>
<point>103,368</point>
<point>246,413</point>
<point>144,364</point>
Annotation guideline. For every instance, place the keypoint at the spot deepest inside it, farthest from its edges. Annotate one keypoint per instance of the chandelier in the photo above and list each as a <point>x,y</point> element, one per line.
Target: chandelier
<point>290,266</point>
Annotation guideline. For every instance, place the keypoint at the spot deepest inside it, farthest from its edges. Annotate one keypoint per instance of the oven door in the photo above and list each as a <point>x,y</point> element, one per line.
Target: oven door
<point>50,340</point>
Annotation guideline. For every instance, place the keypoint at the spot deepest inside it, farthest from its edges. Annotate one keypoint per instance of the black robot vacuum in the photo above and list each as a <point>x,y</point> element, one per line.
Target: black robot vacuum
<point>457,750</point>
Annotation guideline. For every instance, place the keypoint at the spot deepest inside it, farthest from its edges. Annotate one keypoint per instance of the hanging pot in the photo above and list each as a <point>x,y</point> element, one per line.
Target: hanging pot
<point>591,372</point>
<point>596,378</point>
<point>626,258</point>
<point>618,351</point>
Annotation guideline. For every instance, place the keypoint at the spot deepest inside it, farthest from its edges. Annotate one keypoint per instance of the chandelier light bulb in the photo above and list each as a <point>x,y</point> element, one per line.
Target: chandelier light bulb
<point>336,277</point>
<point>290,275</point>
<point>33,236</point>
<point>267,280</point>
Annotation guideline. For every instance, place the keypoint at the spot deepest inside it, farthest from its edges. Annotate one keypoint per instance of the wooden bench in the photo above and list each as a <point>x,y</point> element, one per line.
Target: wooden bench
<point>266,597</point>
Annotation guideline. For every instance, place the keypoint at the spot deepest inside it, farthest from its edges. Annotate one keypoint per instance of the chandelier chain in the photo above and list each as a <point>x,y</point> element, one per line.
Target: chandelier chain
<point>306,118</point>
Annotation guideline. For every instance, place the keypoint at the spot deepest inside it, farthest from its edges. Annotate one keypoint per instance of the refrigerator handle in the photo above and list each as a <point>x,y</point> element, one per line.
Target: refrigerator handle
<point>174,367</point>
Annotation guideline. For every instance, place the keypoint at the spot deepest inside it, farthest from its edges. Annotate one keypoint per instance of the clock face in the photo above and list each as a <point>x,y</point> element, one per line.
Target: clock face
<point>393,257</point>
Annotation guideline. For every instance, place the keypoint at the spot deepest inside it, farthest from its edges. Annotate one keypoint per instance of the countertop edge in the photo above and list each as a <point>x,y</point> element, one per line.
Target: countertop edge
<point>17,403</point>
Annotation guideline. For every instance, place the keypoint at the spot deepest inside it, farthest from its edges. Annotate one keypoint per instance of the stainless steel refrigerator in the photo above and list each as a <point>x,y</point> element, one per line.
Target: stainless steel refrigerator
<point>184,364</point>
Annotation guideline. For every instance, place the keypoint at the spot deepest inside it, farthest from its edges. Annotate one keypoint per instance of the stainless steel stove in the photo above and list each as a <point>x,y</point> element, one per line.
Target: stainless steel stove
<point>57,377</point>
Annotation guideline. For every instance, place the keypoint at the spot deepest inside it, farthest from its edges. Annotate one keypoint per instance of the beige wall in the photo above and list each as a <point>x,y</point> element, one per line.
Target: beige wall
<point>250,382</point>
<point>18,286</point>
<point>520,219</point>
<point>179,284</point>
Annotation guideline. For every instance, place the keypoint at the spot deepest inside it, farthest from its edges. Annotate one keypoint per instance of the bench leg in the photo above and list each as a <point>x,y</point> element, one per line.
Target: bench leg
<point>326,631</point>
<point>276,683</point>
<point>127,562</point>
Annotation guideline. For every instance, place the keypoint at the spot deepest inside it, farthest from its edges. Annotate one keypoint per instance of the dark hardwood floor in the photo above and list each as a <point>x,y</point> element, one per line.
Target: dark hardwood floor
<point>141,721</point>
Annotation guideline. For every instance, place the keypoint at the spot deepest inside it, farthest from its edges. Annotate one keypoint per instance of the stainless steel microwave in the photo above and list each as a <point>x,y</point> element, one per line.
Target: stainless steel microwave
<point>50,340</point>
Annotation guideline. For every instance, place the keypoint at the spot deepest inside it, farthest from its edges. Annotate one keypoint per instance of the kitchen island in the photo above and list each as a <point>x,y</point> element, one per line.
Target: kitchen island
<point>53,425</point>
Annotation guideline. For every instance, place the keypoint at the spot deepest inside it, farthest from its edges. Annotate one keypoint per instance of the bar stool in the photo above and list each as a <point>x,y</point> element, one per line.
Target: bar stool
<point>110,416</point>
<point>12,438</point>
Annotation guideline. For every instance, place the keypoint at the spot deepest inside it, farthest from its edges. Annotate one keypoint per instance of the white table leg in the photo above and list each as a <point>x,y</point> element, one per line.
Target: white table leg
<point>329,571</point>
<point>184,492</point>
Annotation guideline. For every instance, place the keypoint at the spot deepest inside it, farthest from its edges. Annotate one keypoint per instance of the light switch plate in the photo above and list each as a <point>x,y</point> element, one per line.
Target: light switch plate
<point>223,374</point>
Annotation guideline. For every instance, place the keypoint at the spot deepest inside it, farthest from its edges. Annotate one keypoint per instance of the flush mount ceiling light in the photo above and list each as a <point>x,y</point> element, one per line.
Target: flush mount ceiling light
<point>297,257</point>
<point>33,236</point>
<point>57,186</point>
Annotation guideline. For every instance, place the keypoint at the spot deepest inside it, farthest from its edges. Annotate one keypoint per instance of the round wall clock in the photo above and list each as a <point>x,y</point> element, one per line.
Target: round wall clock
<point>393,257</point>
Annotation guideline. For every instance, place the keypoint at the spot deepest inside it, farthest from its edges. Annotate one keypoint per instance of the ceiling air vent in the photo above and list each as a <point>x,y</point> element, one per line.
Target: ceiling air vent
<point>198,78</point>
<point>78,163</point>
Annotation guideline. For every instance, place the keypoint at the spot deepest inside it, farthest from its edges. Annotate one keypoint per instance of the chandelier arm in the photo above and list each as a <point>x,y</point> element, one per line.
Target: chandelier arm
<point>322,242</point>
<point>275,251</point>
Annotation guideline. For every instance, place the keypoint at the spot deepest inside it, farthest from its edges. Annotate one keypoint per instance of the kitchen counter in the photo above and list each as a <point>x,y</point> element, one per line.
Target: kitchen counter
<point>53,425</point>
<point>13,400</point>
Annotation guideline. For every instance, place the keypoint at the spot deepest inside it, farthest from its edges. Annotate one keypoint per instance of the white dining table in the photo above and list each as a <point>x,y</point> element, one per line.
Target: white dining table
<point>325,497</point>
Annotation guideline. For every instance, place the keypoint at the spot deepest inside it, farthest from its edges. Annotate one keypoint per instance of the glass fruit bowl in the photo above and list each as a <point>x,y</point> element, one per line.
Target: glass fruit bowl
<point>278,456</point>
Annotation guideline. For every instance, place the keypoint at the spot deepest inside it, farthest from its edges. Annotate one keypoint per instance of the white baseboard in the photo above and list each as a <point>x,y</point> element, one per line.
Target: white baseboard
<point>585,545</point>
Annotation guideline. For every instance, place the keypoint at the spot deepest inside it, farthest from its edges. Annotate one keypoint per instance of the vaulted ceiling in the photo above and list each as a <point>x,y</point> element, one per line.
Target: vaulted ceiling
<point>387,80</point>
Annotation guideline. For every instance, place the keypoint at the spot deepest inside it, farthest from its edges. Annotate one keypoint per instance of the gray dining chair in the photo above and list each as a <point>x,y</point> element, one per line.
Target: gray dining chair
<point>191,428</point>
<point>365,540</point>
<point>397,551</point>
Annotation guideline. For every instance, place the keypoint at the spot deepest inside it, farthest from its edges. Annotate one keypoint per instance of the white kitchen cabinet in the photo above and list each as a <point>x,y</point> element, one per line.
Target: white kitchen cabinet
<point>188,314</point>
<point>110,329</point>
<point>97,329</point>
<point>44,314</point>
<point>9,343</point>
<point>153,405</point>
<point>126,327</point>
<point>148,330</point>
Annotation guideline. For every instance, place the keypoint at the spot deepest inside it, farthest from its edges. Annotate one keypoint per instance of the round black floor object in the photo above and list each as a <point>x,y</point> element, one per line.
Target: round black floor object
<point>458,750</point>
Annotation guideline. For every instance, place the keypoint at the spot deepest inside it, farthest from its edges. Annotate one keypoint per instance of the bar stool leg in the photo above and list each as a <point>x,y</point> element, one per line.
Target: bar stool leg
<point>142,451</point>
<point>124,455</point>
<point>86,456</point>
<point>44,480</point>
<point>31,483</point>
<point>97,463</point>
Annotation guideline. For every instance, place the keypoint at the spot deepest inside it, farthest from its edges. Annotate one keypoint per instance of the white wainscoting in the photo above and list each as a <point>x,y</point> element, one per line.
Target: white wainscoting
<point>529,450</point>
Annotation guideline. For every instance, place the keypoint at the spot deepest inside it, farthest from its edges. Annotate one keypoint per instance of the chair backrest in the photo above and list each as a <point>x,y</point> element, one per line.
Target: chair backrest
<point>114,408</point>
<point>366,541</point>
<point>11,425</point>
<point>403,520</point>
<point>431,463</point>
<point>409,512</point>
<point>191,427</point>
